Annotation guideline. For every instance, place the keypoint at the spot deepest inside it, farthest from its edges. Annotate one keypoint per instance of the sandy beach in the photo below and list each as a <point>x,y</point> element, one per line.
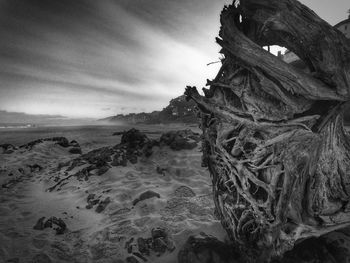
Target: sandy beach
<point>106,217</point>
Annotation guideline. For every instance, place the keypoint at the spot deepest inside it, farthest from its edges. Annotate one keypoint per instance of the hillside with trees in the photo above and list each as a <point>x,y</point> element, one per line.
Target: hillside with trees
<point>179,110</point>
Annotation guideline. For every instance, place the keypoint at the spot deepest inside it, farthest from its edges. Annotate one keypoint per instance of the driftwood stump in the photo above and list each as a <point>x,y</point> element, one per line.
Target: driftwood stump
<point>274,139</point>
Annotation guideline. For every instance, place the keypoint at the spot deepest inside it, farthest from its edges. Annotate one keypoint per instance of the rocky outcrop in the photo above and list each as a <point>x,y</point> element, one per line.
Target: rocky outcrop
<point>178,111</point>
<point>180,140</point>
<point>134,144</point>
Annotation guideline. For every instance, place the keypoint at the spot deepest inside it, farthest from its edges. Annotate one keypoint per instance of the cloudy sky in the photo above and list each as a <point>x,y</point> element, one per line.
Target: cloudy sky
<point>96,58</point>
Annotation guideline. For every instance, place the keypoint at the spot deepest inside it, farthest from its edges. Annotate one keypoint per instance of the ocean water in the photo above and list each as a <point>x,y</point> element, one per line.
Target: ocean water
<point>88,136</point>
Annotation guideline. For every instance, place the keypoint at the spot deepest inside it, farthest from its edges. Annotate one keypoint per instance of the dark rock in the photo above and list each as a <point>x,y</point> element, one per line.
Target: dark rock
<point>160,240</point>
<point>75,150</point>
<point>133,144</point>
<point>99,157</point>
<point>91,201</point>
<point>119,159</point>
<point>134,138</point>
<point>128,245</point>
<point>102,205</point>
<point>6,146</point>
<point>61,226</point>
<point>61,141</point>
<point>133,159</point>
<point>143,246</point>
<point>159,232</point>
<point>40,224</point>
<point>90,197</point>
<point>148,150</point>
<point>118,133</point>
<point>159,245</point>
<point>35,168</point>
<point>204,248</point>
<point>180,140</point>
<point>74,143</point>
<point>161,170</point>
<point>48,223</point>
<point>319,250</point>
<point>132,260</point>
<point>102,170</point>
<point>144,196</point>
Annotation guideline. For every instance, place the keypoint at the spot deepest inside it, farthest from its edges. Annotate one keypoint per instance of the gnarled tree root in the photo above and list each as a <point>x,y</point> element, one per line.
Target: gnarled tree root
<point>274,139</point>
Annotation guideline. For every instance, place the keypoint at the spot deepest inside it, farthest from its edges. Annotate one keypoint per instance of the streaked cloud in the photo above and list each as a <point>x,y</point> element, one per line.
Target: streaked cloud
<point>88,58</point>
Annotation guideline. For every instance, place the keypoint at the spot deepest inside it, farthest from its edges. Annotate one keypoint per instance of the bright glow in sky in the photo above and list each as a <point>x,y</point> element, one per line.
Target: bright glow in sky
<point>87,58</point>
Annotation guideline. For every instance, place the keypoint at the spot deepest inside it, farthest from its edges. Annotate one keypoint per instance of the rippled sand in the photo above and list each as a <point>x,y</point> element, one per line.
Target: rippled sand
<point>184,206</point>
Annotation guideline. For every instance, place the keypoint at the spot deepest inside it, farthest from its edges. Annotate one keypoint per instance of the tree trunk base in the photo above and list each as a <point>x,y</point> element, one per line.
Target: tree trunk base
<point>273,136</point>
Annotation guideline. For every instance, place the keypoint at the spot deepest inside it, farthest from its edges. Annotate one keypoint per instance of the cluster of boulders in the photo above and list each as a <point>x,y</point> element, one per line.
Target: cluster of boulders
<point>158,244</point>
<point>134,144</point>
<point>180,140</point>
<point>53,222</point>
